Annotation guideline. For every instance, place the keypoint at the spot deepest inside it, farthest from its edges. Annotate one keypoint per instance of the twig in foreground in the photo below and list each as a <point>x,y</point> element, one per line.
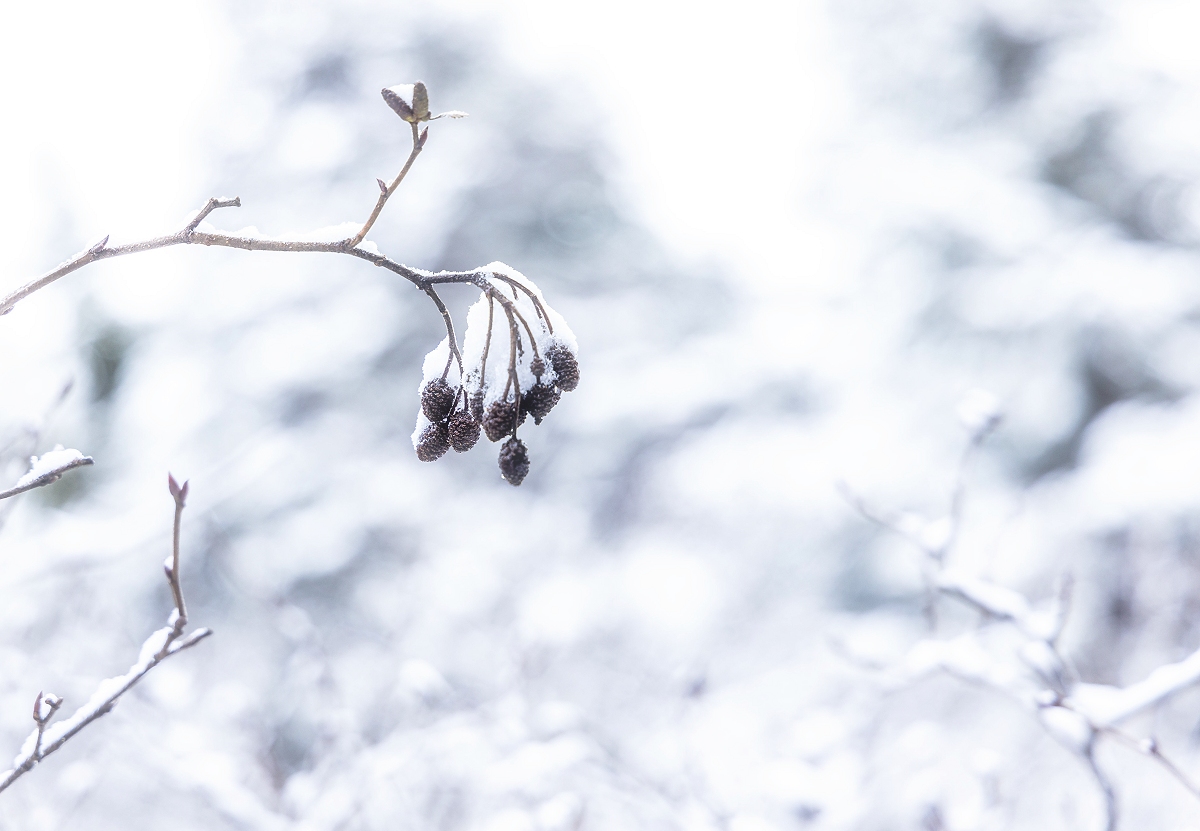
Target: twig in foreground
<point>161,645</point>
<point>47,469</point>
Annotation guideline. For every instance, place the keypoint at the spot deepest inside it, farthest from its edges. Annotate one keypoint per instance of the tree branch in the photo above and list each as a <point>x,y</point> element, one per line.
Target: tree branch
<point>157,648</point>
<point>386,192</point>
<point>47,469</point>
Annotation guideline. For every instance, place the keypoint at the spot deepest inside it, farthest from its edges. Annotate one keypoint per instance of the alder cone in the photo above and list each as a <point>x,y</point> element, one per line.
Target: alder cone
<point>566,367</point>
<point>464,431</point>
<point>477,405</point>
<point>500,419</point>
<point>434,442</point>
<point>539,400</point>
<point>437,398</point>
<point>514,462</point>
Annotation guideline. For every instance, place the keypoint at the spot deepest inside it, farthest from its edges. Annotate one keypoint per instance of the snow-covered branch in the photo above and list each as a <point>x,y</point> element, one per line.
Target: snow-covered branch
<point>541,351</point>
<point>1076,714</point>
<point>46,469</point>
<point>162,644</point>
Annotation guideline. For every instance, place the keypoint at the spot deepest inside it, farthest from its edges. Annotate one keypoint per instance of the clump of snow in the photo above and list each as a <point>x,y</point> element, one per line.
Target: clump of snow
<point>547,326</point>
<point>1106,705</point>
<point>1068,727</point>
<point>55,461</point>
<point>404,92</point>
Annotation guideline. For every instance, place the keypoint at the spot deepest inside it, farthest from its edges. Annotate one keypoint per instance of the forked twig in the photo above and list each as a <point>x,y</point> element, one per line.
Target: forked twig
<point>165,642</point>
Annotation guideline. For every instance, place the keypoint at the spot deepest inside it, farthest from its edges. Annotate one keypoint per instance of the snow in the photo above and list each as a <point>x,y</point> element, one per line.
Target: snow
<point>1105,705</point>
<point>50,463</point>
<point>475,337</point>
<point>405,92</point>
<point>820,316</point>
<point>109,689</point>
<point>1069,728</point>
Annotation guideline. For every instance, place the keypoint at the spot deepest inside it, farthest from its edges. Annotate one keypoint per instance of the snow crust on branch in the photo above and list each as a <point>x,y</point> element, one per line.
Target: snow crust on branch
<point>499,352</point>
<point>1105,705</point>
<point>47,468</point>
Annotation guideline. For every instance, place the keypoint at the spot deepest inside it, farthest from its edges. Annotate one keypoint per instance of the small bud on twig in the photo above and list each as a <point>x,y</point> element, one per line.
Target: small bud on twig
<point>178,492</point>
<point>420,101</point>
<point>398,98</point>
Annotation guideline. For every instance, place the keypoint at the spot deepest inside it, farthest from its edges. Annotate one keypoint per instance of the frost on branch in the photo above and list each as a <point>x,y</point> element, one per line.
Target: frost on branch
<point>517,359</point>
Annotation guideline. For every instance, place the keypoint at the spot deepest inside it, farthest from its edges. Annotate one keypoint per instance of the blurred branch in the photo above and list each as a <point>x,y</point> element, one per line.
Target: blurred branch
<point>1076,714</point>
<point>47,469</point>
<point>162,644</point>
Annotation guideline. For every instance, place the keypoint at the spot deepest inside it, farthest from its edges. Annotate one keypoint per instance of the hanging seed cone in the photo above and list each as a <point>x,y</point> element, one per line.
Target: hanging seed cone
<point>566,367</point>
<point>464,431</point>
<point>477,405</point>
<point>500,419</point>
<point>539,400</point>
<point>514,462</point>
<point>436,399</point>
<point>435,441</point>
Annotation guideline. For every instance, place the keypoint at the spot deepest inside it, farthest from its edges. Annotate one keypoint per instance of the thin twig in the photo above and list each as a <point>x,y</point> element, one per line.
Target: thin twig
<point>418,144</point>
<point>157,648</point>
<point>179,494</point>
<point>487,342</point>
<point>1150,749</point>
<point>47,478</point>
<point>511,309</point>
<point>454,353</point>
<point>1106,788</point>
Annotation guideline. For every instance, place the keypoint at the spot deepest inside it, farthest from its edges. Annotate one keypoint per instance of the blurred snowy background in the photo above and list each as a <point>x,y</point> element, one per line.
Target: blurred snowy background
<point>789,237</point>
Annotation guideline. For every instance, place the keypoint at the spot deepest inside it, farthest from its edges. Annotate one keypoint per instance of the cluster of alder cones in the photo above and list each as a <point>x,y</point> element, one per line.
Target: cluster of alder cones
<point>456,418</point>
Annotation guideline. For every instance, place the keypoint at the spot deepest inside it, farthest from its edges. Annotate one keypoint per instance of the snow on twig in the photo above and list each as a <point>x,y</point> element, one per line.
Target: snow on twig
<point>1105,706</point>
<point>46,469</point>
<point>162,644</point>
<point>1076,714</point>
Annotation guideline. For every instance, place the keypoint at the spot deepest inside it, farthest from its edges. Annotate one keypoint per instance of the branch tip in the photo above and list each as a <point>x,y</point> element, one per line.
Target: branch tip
<point>178,492</point>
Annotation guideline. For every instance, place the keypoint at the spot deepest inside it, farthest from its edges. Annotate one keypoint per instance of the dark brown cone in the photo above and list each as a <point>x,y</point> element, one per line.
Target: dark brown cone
<point>514,462</point>
<point>477,405</point>
<point>537,366</point>
<point>500,419</point>
<point>565,367</point>
<point>464,431</point>
<point>437,399</point>
<point>435,441</point>
<point>539,400</point>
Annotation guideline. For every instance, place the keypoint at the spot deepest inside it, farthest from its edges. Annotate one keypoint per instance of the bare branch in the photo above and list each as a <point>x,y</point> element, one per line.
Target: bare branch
<point>1150,749</point>
<point>161,645</point>
<point>418,144</point>
<point>454,353</point>
<point>1106,788</point>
